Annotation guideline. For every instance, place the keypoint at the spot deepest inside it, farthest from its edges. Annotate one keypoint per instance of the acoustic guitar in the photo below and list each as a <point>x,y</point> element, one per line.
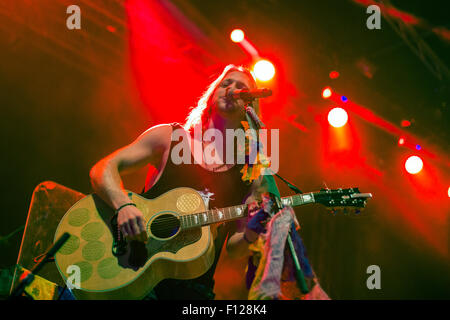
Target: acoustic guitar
<point>180,242</point>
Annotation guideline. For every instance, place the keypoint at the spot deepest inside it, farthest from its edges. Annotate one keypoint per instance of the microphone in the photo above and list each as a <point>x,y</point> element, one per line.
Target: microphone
<point>246,94</point>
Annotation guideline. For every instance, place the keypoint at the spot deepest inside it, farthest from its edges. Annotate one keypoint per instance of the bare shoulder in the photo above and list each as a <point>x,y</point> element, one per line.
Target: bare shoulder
<point>149,147</point>
<point>158,136</point>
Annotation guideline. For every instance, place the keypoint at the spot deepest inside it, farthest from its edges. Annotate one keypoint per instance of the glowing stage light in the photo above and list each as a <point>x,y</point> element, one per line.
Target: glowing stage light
<point>264,70</point>
<point>334,74</point>
<point>401,141</point>
<point>111,28</point>
<point>448,192</point>
<point>405,123</point>
<point>344,99</point>
<point>326,93</point>
<point>418,147</point>
<point>413,165</point>
<point>237,35</point>
<point>337,117</point>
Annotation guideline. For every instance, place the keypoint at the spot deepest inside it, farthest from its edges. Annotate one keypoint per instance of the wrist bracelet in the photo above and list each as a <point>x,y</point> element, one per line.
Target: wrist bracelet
<point>124,205</point>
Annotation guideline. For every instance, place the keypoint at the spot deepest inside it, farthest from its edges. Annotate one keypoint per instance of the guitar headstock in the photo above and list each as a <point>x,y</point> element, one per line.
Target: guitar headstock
<point>350,199</point>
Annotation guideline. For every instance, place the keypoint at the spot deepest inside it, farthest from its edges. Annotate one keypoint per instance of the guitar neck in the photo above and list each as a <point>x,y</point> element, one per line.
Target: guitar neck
<point>236,212</point>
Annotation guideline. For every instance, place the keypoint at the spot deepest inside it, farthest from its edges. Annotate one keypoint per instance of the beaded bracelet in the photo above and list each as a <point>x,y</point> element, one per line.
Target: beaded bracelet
<point>124,205</point>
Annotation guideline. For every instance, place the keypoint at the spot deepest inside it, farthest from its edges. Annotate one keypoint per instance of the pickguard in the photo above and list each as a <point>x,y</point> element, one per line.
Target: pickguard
<point>139,253</point>
<point>182,239</point>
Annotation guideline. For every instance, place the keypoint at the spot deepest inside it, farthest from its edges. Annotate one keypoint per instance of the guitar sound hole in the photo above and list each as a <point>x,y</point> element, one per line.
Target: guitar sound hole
<point>165,226</point>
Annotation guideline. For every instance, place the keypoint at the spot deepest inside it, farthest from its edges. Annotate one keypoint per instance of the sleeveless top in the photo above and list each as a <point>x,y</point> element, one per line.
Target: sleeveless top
<point>228,189</point>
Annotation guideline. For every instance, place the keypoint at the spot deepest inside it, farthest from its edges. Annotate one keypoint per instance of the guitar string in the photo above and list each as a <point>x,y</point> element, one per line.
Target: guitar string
<point>163,225</point>
<point>171,217</point>
<point>216,210</point>
<point>168,225</point>
<point>212,211</point>
<point>243,206</point>
<point>200,213</point>
<point>183,223</point>
<point>169,221</point>
<point>190,216</point>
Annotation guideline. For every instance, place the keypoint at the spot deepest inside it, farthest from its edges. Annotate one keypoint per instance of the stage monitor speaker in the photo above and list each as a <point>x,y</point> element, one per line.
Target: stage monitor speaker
<point>49,202</point>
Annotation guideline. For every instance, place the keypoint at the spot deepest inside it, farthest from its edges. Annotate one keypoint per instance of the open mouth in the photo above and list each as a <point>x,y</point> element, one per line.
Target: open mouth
<point>227,98</point>
<point>228,102</point>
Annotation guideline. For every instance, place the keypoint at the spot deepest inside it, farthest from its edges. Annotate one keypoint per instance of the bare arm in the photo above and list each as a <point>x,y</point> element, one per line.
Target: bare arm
<point>149,147</point>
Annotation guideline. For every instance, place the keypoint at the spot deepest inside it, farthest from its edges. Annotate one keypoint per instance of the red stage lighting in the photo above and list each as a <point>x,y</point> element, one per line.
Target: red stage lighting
<point>326,93</point>
<point>337,117</point>
<point>237,35</point>
<point>264,70</point>
<point>405,123</point>
<point>334,74</point>
<point>401,141</point>
<point>111,28</point>
<point>413,165</point>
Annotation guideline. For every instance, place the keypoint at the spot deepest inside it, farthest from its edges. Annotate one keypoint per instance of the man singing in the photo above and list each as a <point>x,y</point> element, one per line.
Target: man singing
<point>231,183</point>
<point>215,110</point>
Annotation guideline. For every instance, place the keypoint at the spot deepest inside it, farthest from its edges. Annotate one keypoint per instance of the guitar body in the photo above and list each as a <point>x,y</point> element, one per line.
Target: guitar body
<point>180,242</point>
<point>168,253</point>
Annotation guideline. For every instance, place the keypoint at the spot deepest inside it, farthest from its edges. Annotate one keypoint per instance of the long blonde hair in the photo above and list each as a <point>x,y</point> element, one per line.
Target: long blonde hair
<point>200,113</point>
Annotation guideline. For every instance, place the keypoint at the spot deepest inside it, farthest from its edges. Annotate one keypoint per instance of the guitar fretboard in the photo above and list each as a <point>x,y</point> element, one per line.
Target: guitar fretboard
<point>236,212</point>
<point>213,216</point>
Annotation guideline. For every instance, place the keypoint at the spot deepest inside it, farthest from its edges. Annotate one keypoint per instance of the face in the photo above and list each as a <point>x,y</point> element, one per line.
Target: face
<point>234,80</point>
